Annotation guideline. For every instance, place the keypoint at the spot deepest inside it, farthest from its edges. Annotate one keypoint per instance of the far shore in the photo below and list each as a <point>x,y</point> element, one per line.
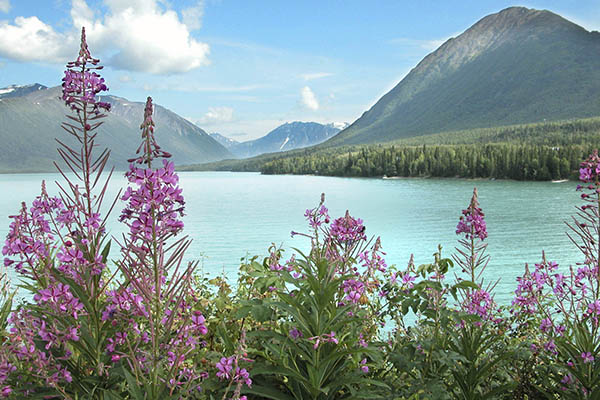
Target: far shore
<point>385,177</point>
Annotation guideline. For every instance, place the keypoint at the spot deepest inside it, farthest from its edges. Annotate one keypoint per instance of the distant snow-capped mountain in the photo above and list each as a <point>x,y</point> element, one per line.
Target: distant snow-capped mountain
<point>225,141</point>
<point>20,90</point>
<point>289,136</point>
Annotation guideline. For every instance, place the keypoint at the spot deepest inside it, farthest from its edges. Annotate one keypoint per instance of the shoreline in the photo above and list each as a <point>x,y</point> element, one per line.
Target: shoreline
<point>384,177</point>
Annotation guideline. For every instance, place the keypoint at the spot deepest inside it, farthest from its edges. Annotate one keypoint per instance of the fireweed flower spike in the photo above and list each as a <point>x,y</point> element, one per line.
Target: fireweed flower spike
<point>471,256</point>
<point>473,260</point>
<point>155,304</point>
<point>471,222</point>
<point>59,246</point>
<point>81,85</point>
<point>148,149</point>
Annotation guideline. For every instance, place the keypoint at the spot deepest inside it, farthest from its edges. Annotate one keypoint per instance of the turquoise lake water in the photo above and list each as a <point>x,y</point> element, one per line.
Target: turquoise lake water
<point>230,215</point>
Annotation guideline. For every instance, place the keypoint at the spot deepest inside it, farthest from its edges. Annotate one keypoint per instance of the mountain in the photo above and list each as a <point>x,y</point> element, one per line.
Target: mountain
<point>16,90</point>
<point>225,141</point>
<point>30,123</point>
<point>289,136</point>
<point>516,66</point>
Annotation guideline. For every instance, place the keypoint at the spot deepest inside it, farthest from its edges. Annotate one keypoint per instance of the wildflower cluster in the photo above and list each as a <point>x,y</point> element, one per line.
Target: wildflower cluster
<point>229,370</point>
<point>589,170</point>
<point>82,85</point>
<point>85,322</point>
<point>471,223</point>
<point>156,205</point>
<point>343,243</point>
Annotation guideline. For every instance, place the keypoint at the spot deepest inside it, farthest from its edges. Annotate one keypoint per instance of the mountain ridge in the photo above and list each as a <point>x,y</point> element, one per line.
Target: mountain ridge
<point>476,77</point>
<point>288,136</point>
<point>29,124</point>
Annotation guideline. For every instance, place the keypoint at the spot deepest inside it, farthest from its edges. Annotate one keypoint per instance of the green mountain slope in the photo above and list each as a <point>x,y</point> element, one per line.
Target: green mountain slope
<point>516,66</point>
<point>30,123</point>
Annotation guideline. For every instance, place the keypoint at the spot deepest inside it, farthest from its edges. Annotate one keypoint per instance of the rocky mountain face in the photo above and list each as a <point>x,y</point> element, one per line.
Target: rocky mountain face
<point>289,136</point>
<point>225,141</point>
<point>516,66</point>
<point>20,90</point>
<point>30,122</point>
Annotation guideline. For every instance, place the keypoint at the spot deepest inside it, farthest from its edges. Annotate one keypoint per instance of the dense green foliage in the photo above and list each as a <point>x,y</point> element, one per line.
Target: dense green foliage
<point>524,152</point>
<point>504,161</point>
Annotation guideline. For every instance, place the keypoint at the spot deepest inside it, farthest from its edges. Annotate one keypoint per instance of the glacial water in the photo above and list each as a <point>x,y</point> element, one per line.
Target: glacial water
<point>231,215</point>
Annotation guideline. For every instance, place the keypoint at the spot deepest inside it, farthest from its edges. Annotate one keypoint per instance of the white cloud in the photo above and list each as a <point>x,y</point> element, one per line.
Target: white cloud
<point>315,75</point>
<point>30,39</point>
<point>4,6</point>
<point>125,78</point>
<point>135,35</point>
<point>217,115</point>
<point>192,16</point>
<point>308,99</point>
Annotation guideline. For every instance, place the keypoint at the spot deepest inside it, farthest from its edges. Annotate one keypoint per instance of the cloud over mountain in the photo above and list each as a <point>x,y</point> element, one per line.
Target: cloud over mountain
<point>125,36</point>
<point>308,99</point>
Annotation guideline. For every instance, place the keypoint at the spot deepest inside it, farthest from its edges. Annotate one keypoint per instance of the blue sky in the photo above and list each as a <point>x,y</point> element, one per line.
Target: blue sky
<point>242,67</point>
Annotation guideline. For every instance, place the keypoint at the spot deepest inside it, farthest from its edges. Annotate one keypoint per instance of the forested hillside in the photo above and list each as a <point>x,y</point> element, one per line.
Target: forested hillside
<point>542,151</point>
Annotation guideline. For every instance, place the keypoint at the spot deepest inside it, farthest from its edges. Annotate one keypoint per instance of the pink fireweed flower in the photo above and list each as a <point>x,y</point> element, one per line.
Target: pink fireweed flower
<point>550,347</point>
<point>472,222</point>
<point>148,149</point>
<point>353,289</point>
<point>155,206</point>
<point>295,333</point>
<point>30,235</point>
<point>589,170</point>
<point>373,259</point>
<point>80,86</point>
<point>198,322</point>
<point>362,342</point>
<point>593,309</point>
<point>587,357</point>
<point>546,325</point>
<point>224,367</point>
<point>479,302</point>
<point>241,375</point>
<point>60,299</point>
<point>325,338</point>
<point>347,229</point>
<point>6,391</point>
<point>363,365</point>
<point>157,189</point>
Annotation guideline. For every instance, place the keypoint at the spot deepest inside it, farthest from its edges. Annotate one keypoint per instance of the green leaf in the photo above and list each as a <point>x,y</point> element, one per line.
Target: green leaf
<point>222,332</point>
<point>132,386</point>
<point>261,313</point>
<point>465,285</point>
<point>278,370</point>
<point>105,252</point>
<point>268,392</point>
<point>5,311</point>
